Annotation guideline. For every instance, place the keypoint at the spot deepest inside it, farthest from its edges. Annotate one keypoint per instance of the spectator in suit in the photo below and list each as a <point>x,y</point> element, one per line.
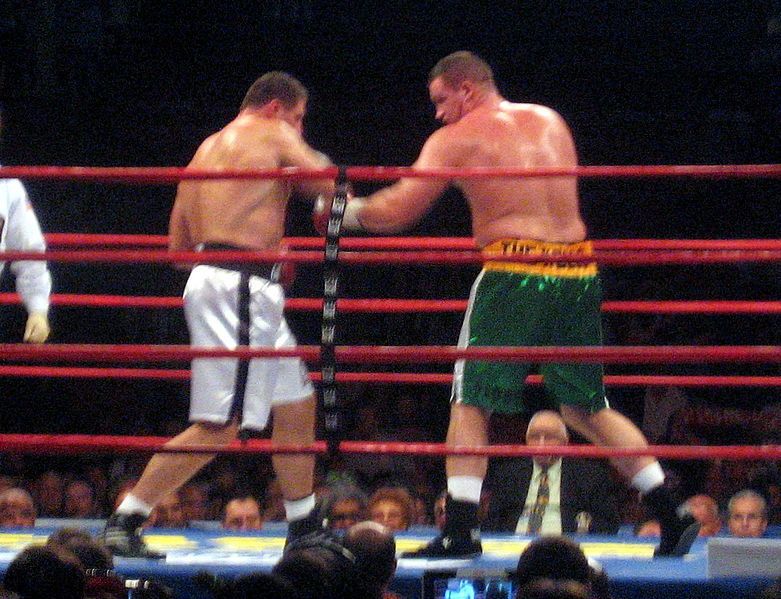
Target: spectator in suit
<point>747,514</point>
<point>581,495</point>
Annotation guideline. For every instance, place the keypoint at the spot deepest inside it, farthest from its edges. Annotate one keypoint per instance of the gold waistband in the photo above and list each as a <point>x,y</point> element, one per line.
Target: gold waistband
<point>530,247</point>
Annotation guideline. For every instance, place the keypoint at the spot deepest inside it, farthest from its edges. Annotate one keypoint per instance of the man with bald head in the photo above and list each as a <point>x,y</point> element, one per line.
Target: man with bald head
<point>580,495</point>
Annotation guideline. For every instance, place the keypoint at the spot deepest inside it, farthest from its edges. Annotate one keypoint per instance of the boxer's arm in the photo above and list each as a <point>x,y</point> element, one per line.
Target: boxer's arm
<point>294,151</point>
<point>401,205</point>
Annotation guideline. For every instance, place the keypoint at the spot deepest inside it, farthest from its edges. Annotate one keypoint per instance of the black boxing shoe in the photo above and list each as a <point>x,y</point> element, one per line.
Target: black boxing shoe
<point>460,537</point>
<point>677,537</point>
<point>304,526</point>
<point>679,528</point>
<point>122,536</point>
<point>449,547</point>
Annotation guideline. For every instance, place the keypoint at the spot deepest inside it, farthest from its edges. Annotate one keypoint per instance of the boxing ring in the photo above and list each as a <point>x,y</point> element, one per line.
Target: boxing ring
<point>627,560</point>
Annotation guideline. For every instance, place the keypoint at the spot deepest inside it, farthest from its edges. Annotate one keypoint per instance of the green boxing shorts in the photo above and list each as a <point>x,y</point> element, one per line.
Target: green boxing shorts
<point>532,304</point>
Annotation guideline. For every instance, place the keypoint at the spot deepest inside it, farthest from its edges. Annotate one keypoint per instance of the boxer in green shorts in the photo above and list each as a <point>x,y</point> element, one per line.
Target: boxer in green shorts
<point>513,303</point>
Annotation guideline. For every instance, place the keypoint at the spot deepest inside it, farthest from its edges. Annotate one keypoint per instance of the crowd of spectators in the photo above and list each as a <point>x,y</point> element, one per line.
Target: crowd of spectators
<point>404,491</point>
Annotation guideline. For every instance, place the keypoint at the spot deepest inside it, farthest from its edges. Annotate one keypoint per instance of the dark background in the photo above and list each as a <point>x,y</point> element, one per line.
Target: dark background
<point>142,83</point>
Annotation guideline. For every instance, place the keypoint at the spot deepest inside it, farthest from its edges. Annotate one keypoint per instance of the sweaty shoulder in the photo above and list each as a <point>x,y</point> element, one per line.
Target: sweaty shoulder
<point>246,142</point>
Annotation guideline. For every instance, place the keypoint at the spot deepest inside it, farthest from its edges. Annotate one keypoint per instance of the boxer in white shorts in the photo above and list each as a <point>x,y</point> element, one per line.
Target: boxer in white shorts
<point>233,304</point>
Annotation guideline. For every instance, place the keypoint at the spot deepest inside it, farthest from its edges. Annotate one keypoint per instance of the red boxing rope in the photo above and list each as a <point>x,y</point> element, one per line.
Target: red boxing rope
<point>468,243</point>
<point>77,444</point>
<point>418,243</point>
<point>383,258</point>
<point>418,305</point>
<point>142,175</point>
<point>629,354</point>
<point>618,380</point>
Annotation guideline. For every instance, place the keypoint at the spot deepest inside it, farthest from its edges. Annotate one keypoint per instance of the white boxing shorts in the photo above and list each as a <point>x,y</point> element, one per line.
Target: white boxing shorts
<point>211,307</point>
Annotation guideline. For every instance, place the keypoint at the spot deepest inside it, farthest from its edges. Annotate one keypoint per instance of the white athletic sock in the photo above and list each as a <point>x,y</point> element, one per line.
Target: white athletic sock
<point>465,488</point>
<point>648,478</point>
<point>300,508</point>
<point>133,505</point>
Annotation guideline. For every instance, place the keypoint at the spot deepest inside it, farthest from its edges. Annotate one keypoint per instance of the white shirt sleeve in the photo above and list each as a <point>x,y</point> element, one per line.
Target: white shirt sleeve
<point>23,233</point>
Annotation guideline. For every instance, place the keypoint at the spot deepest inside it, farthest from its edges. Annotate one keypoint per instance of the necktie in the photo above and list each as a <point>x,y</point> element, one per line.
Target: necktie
<point>538,509</point>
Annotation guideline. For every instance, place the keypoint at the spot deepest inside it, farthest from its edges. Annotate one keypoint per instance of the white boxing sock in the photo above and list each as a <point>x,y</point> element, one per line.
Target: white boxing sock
<point>648,478</point>
<point>300,508</point>
<point>465,488</point>
<point>133,505</point>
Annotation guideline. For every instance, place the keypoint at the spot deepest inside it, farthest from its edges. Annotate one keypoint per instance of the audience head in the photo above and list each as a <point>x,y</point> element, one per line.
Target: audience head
<point>545,588</point>
<point>317,565</point>
<point>342,506</point>
<point>48,490</point>
<point>649,528</point>
<point>249,586</point>
<point>706,511</point>
<point>79,500</point>
<point>194,497</point>
<point>92,554</point>
<point>374,549</point>
<point>546,428</point>
<point>747,514</point>
<point>553,557</point>
<point>17,509</point>
<point>168,513</point>
<point>45,572</point>
<point>242,513</point>
<point>559,558</point>
<point>391,507</point>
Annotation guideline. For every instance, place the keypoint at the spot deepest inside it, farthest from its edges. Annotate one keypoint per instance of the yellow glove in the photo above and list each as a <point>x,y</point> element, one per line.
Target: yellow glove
<point>37,329</point>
